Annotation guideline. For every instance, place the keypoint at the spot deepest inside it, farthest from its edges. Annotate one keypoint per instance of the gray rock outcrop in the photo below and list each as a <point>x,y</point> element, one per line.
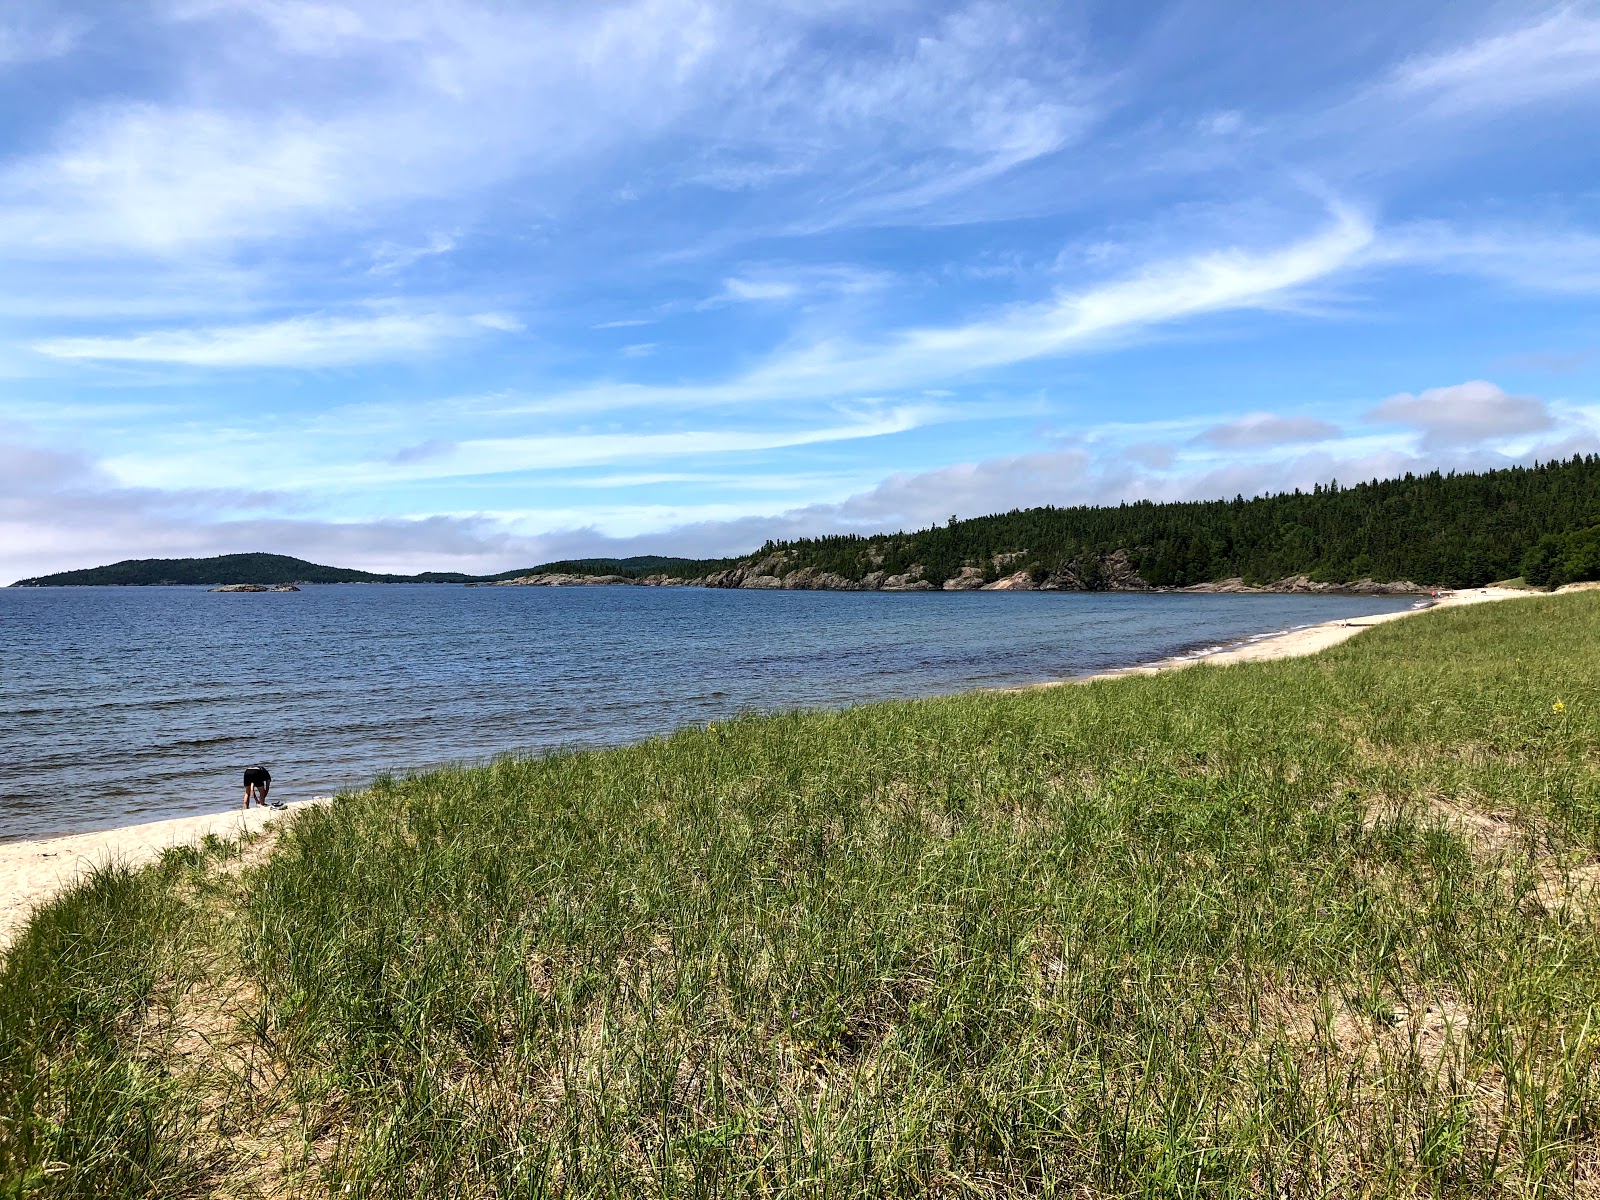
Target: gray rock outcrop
<point>561,579</point>
<point>969,579</point>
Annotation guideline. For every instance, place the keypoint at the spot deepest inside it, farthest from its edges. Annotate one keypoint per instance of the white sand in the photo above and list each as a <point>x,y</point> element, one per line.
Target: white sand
<point>1313,638</point>
<point>1294,643</point>
<point>32,871</point>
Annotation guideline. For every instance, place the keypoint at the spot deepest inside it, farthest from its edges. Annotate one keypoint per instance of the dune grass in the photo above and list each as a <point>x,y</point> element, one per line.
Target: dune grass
<point>1314,927</point>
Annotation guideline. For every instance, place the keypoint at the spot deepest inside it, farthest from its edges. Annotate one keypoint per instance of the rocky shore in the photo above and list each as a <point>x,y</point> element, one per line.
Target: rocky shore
<point>1107,573</point>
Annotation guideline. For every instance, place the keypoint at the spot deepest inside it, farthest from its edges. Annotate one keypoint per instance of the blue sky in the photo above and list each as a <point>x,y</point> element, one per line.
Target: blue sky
<point>475,285</point>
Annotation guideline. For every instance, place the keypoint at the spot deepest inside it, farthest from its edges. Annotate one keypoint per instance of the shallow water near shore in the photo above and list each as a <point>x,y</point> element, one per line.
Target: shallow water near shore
<point>137,704</point>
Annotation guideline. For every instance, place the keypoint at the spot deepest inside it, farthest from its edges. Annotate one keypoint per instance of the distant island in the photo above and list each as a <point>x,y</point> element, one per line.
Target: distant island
<point>270,570</point>
<point>1539,523</point>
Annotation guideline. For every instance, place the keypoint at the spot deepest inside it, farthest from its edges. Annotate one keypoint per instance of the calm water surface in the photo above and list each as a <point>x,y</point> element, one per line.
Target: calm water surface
<point>126,704</point>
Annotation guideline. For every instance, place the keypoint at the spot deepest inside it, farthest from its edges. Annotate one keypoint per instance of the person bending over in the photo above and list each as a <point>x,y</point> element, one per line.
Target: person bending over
<point>257,783</point>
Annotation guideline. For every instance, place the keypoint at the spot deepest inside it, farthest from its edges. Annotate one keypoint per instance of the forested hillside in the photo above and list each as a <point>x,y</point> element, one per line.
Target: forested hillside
<point>1459,530</point>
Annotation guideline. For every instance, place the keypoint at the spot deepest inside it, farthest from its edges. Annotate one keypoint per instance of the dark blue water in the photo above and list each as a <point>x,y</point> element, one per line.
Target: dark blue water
<point>127,704</point>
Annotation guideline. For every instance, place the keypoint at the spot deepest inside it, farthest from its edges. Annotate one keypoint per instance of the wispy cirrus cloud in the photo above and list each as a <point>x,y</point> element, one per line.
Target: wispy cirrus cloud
<point>1548,256</point>
<point>335,461</point>
<point>465,98</point>
<point>299,342</point>
<point>538,91</point>
<point>1523,64</point>
<point>390,257</point>
<point>136,179</point>
<point>756,285</point>
<point>1161,293</point>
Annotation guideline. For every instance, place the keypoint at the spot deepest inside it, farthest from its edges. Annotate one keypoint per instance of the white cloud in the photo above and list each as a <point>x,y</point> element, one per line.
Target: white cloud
<point>390,258</point>
<point>918,111</point>
<point>1464,413</point>
<point>1555,56</point>
<point>1217,281</point>
<point>782,283</point>
<point>760,289</point>
<point>145,178</point>
<point>1266,429</point>
<point>1221,124</point>
<point>1163,292</point>
<point>310,341</point>
<point>503,322</point>
<point>1545,257</point>
<point>458,98</point>
<point>463,97</point>
<point>342,453</point>
<point>501,455</point>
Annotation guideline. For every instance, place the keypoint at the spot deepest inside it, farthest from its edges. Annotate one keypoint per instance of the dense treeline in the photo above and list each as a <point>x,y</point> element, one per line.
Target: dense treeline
<point>1459,530</point>
<point>1564,558</point>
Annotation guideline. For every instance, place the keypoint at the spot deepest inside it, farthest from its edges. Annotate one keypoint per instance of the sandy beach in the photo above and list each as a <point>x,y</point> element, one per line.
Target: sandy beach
<point>31,871</point>
<point>1294,643</point>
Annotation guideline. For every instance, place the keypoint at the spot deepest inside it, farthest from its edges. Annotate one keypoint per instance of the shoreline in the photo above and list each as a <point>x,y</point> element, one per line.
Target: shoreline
<point>32,870</point>
<point>1294,643</point>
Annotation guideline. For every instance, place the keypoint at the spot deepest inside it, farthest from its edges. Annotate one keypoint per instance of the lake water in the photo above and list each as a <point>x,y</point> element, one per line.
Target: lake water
<point>120,705</point>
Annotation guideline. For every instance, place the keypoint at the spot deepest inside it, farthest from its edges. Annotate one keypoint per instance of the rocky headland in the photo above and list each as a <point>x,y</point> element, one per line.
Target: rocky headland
<point>1112,572</point>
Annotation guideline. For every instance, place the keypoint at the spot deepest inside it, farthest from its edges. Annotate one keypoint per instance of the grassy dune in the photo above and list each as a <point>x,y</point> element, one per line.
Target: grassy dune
<point>1315,927</point>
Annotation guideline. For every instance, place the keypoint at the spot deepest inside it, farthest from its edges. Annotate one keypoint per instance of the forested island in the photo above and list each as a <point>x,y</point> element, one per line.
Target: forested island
<point>1540,523</point>
<point>274,569</point>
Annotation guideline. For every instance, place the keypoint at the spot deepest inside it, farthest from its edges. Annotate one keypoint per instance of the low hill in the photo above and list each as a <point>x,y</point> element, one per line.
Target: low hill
<point>225,568</point>
<point>271,569</point>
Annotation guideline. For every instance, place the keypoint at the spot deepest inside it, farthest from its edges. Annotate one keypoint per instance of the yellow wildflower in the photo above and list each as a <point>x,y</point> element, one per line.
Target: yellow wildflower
<point>1558,707</point>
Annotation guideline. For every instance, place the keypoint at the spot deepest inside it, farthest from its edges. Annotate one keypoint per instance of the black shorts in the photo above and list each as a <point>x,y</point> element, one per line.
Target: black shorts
<point>257,777</point>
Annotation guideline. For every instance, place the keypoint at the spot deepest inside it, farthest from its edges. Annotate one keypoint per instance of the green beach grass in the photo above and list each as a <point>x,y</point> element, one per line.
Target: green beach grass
<point>1317,927</point>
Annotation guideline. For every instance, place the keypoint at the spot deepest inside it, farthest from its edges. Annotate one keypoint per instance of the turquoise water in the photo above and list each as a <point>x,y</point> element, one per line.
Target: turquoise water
<point>131,704</point>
